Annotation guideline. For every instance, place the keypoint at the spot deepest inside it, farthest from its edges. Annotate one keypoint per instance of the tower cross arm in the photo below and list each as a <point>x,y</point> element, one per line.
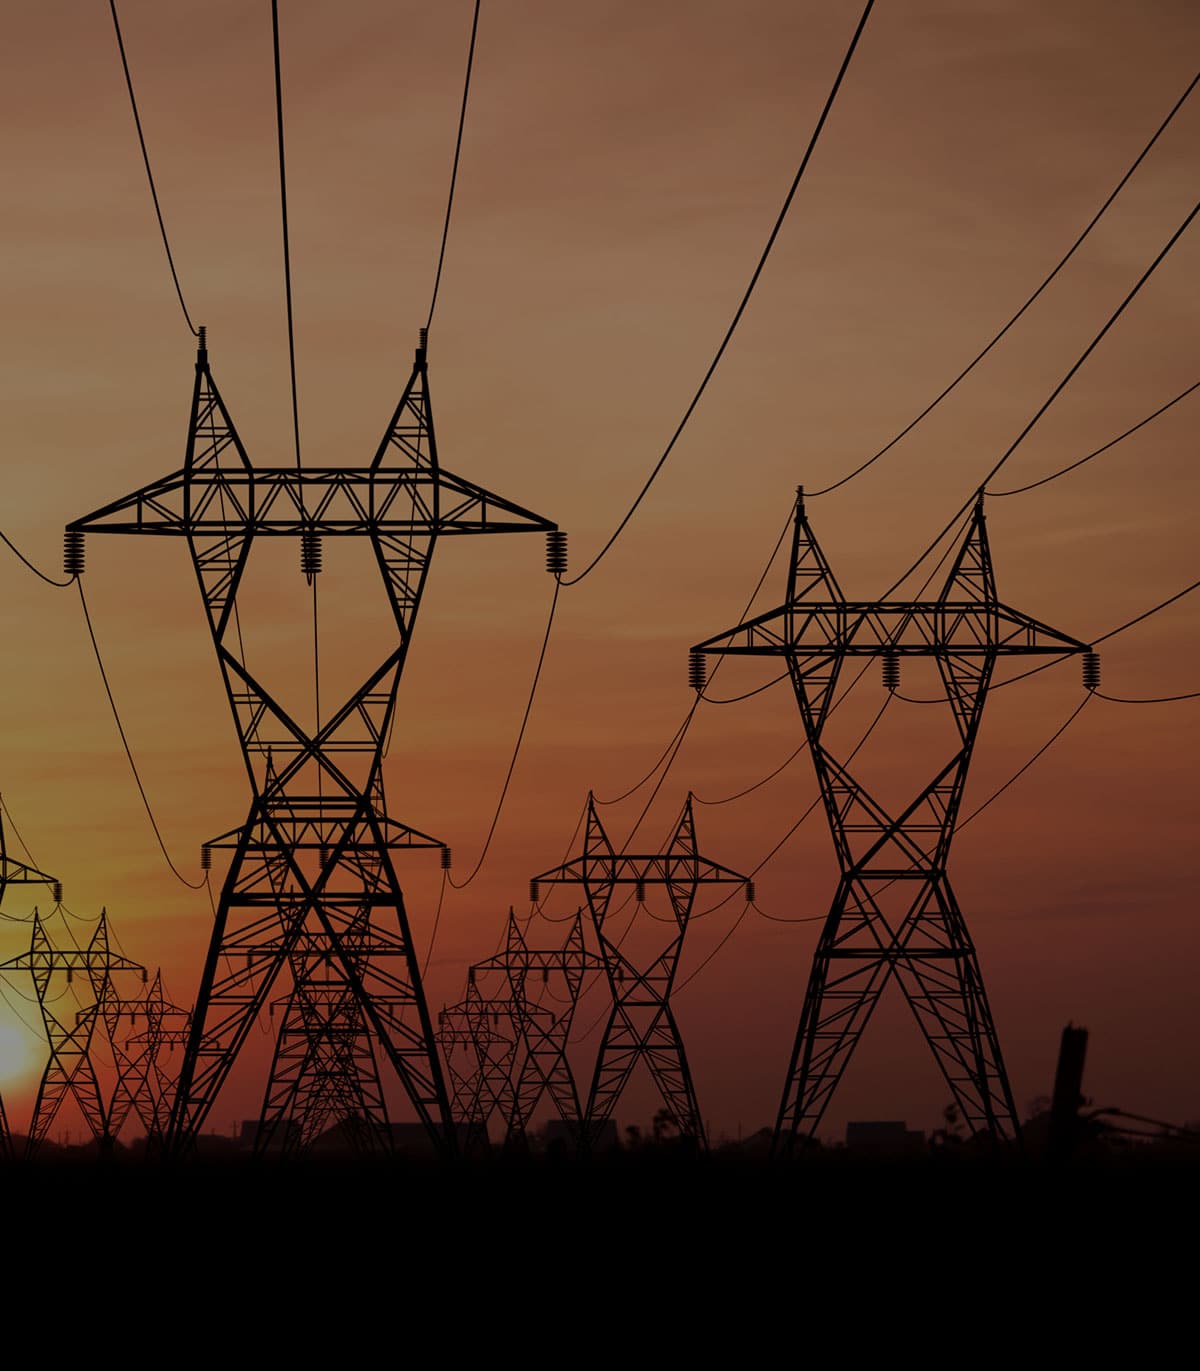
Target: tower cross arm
<point>660,868</point>
<point>13,872</point>
<point>531,960</point>
<point>336,501</point>
<point>81,959</point>
<point>866,628</point>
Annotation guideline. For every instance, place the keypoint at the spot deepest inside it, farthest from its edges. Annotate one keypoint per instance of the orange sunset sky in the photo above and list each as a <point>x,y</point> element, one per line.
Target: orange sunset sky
<point>622,165</point>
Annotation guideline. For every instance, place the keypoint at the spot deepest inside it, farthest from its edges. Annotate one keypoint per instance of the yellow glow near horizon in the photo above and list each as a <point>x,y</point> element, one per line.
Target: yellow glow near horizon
<point>18,1053</point>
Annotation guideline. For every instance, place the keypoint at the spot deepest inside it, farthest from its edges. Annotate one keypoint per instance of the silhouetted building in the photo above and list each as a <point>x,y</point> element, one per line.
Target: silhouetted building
<point>556,1132</point>
<point>883,1136</point>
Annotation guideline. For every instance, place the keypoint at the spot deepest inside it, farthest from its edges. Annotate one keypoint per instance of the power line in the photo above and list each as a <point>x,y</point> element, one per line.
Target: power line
<point>981,488</point>
<point>197,885</point>
<point>16,832</point>
<point>962,375</point>
<point>672,749</point>
<point>1053,738</point>
<point>287,254</point>
<point>1045,480</point>
<point>783,766</point>
<point>162,228</point>
<point>1153,700</point>
<point>683,727</point>
<point>762,261</point>
<point>779,919</point>
<point>1129,623</point>
<point>462,119</point>
<point>745,695</point>
<point>537,676</point>
<point>50,581</point>
<point>437,919</point>
<point>1093,345</point>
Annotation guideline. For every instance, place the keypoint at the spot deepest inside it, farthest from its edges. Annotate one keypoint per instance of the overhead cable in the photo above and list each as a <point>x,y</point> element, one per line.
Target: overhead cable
<point>191,885</point>
<point>729,332</point>
<point>462,119</point>
<point>50,581</point>
<point>537,676</point>
<point>981,488</point>
<point>287,251</point>
<point>1062,471</point>
<point>162,228</point>
<point>970,367</point>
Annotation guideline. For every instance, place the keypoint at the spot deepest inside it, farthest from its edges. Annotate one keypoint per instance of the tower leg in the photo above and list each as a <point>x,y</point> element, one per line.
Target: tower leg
<point>930,953</point>
<point>275,909</point>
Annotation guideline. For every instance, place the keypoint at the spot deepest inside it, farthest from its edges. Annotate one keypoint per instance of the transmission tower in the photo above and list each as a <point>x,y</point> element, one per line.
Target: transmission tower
<point>311,874</point>
<point>545,1068</point>
<point>13,872</point>
<point>70,1070</point>
<point>144,1087</point>
<point>641,1025</point>
<point>894,913</point>
<point>480,1039</point>
<point>325,1069</point>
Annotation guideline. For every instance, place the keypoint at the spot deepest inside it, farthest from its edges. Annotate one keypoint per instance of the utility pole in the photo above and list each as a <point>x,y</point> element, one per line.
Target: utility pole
<point>311,874</point>
<point>641,1025</point>
<point>894,913</point>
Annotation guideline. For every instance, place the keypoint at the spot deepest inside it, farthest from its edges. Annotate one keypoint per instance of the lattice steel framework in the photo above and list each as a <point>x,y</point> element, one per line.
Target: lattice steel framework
<point>544,1068</point>
<point>70,1071</point>
<point>481,1040</point>
<point>311,875</point>
<point>325,1070</point>
<point>641,1025</point>
<point>13,872</point>
<point>145,1086</point>
<point>894,914</point>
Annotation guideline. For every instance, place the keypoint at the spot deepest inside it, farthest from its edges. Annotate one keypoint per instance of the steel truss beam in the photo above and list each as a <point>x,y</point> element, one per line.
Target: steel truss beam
<point>311,886</point>
<point>894,915</point>
<point>641,1025</point>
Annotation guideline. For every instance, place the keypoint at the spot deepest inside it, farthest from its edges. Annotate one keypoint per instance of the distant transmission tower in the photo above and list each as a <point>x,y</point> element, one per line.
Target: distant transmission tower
<point>481,1040</point>
<point>544,1068</point>
<point>894,913</point>
<point>13,872</point>
<point>311,874</point>
<point>145,1085</point>
<point>641,1026</point>
<point>70,1070</point>
<point>325,1070</point>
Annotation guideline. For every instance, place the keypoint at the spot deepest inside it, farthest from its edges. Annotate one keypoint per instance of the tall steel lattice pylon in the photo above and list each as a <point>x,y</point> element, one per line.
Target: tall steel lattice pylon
<point>482,1041</point>
<point>13,872</point>
<point>641,1025</point>
<point>894,913</point>
<point>544,1068</point>
<point>325,1070</point>
<point>311,874</point>
<point>70,1071</point>
<point>145,1086</point>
